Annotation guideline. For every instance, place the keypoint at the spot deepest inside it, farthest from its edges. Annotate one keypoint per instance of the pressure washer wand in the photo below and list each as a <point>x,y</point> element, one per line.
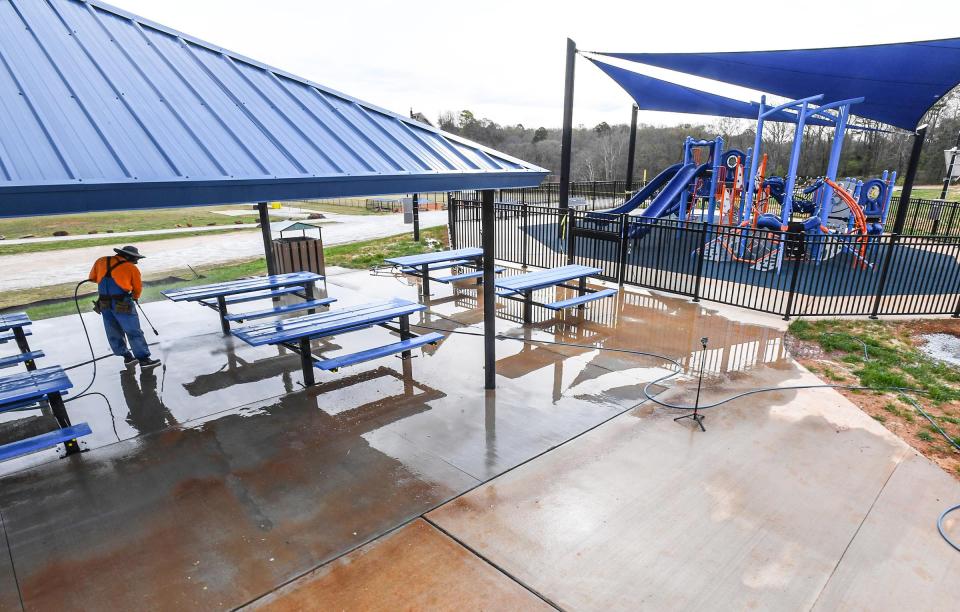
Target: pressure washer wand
<point>147,319</point>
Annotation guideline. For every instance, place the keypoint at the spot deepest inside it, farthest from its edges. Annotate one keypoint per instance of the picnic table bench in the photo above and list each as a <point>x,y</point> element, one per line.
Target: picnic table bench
<point>13,327</point>
<point>422,265</point>
<point>296,333</point>
<point>218,296</point>
<point>31,389</point>
<point>525,285</point>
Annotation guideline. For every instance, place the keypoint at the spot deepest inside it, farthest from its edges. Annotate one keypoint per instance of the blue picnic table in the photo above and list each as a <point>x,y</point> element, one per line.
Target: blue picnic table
<point>13,327</point>
<point>423,264</point>
<point>525,285</point>
<point>296,333</point>
<point>30,389</point>
<point>218,296</point>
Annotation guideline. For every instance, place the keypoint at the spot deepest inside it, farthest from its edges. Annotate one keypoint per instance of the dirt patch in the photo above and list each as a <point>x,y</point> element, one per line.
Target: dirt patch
<point>835,354</point>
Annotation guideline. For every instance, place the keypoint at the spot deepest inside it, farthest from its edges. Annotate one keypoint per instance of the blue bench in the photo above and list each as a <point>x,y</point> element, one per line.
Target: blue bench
<point>27,358</point>
<point>32,387</point>
<point>297,332</point>
<point>526,284</point>
<point>216,295</point>
<point>421,265</point>
<point>14,320</point>
<point>466,276</point>
<point>65,435</point>
<point>7,336</point>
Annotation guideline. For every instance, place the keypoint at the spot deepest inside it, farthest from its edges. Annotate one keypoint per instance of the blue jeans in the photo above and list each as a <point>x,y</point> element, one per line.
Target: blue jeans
<point>121,327</point>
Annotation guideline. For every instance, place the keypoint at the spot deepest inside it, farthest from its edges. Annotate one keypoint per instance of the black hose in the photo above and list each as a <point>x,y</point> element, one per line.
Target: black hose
<point>86,333</point>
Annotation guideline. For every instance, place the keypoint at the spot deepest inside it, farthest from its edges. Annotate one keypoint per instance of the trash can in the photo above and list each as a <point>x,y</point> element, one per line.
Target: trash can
<point>300,253</point>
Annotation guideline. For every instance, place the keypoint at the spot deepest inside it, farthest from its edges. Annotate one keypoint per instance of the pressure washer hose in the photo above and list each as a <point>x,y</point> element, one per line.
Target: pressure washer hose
<point>679,366</point>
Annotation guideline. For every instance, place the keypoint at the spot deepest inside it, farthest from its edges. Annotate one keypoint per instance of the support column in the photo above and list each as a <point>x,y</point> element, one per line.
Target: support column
<point>489,292</point>
<point>566,139</point>
<point>267,238</point>
<point>415,202</point>
<point>632,149</point>
<point>918,137</point>
<point>953,164</point>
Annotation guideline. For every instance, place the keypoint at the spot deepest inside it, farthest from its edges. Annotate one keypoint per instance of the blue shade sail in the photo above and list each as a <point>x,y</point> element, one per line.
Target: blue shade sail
<point>104,110</point>
<point>657,95</point>
<point>899,81</point>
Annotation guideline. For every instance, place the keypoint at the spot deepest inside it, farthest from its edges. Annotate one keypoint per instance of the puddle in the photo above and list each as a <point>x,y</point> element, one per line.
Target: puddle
<point>942,347</point>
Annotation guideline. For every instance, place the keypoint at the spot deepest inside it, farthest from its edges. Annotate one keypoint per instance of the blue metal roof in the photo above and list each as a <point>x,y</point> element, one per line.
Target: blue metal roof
<point>900,82</point>
<point>104,110</point>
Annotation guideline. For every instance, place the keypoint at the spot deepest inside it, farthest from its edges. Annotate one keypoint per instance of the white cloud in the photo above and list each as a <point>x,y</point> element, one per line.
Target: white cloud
<point>504,59</point>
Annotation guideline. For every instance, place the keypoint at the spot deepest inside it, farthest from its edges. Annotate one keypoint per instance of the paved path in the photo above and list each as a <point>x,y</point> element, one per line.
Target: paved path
<point>70,265</point>
<point>172,230</point>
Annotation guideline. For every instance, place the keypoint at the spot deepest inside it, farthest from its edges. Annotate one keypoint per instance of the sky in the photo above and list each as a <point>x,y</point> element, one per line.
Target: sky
<point>504,60</point>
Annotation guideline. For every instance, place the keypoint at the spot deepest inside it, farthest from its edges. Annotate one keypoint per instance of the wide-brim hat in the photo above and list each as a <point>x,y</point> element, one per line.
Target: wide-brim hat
<point>129,251</point>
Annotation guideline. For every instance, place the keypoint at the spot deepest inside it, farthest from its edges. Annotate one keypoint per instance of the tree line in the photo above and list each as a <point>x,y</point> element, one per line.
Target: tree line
<point>600,152</point>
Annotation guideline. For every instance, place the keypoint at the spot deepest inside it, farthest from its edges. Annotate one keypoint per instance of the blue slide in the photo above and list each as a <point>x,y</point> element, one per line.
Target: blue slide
<point>667,201</point>
<point>641,196</point>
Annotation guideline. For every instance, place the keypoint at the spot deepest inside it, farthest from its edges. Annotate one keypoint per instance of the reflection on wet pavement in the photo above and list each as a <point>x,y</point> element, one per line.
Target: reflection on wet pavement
<point>414,568</point>
<point>236,479</point>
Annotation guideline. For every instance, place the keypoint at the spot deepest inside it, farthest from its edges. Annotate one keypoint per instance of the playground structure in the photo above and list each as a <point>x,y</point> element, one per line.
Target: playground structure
<point>731,189</point>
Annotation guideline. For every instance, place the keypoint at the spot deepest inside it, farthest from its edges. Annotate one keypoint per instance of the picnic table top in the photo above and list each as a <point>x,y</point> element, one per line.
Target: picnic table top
<point>12,320</point>
<point>544,278</point>
<point>439,256</point>
<point>29,385</point>
<point>326,323</point>
<point>244,285</point>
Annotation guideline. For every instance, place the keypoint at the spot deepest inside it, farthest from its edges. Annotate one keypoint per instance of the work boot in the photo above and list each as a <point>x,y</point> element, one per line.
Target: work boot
<point>148,364</point>
<point>129,360</point>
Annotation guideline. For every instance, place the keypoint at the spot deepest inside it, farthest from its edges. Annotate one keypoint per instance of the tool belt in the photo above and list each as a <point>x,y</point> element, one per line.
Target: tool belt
<point>120,304</point>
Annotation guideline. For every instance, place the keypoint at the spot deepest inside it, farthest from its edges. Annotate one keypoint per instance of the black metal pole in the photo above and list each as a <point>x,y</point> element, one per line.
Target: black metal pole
<point>632,149</point>
<point>918,137</point>
<point>566,139</point>
<point>267,238</point>
<point>489,292</point>
<point>953,163</point>
<point>416,217</point>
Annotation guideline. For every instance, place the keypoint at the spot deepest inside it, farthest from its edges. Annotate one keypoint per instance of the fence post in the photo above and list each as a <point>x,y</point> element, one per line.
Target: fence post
<point>793,286</point>
<point>702,250</point>
<point>452,220</point>
<point>571,237</point>
<point>882,284</point>
<point>622,250</point>
<point>525,237</point>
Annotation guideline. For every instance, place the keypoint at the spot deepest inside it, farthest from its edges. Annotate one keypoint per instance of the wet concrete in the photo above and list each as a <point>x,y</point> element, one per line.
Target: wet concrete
<point>756,513</point>
<point>9,597</point>
<point>898,560</point>
<point>228,479</point>
<point>414,568</point>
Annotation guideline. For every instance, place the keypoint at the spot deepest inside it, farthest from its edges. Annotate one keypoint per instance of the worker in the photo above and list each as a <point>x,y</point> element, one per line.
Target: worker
<point>119,286</point>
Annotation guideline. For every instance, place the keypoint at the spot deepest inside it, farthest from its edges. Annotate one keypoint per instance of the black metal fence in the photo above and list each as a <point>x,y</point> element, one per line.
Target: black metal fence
<point>927,217</point>
<point>785,274</point>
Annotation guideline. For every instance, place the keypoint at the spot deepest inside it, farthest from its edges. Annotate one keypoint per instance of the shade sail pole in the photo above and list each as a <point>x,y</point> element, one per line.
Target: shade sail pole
<point>267,238</point>
<point>901,219</point>
<point>489,294</point>
<point>632,150</point>
<point>953,164</point>
<point>566,138</point>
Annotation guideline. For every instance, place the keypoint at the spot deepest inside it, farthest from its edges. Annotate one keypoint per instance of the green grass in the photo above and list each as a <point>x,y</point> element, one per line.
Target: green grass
<point>363,255</point>
<point>926,436</point>
<point>933,193</point>
<point>121,221</point>
<point>893,360</point>
<point>38,247</point>
<point>57,300</point>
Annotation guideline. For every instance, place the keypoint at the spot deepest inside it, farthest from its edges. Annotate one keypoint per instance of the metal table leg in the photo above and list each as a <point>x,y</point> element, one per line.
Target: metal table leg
<point>405,334</point>
<point>306,362</point>
<point>425,271</point>
<point>24,347</point>
<point>527,307</point>
<point>222,309</point>
<point>60,413</point>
